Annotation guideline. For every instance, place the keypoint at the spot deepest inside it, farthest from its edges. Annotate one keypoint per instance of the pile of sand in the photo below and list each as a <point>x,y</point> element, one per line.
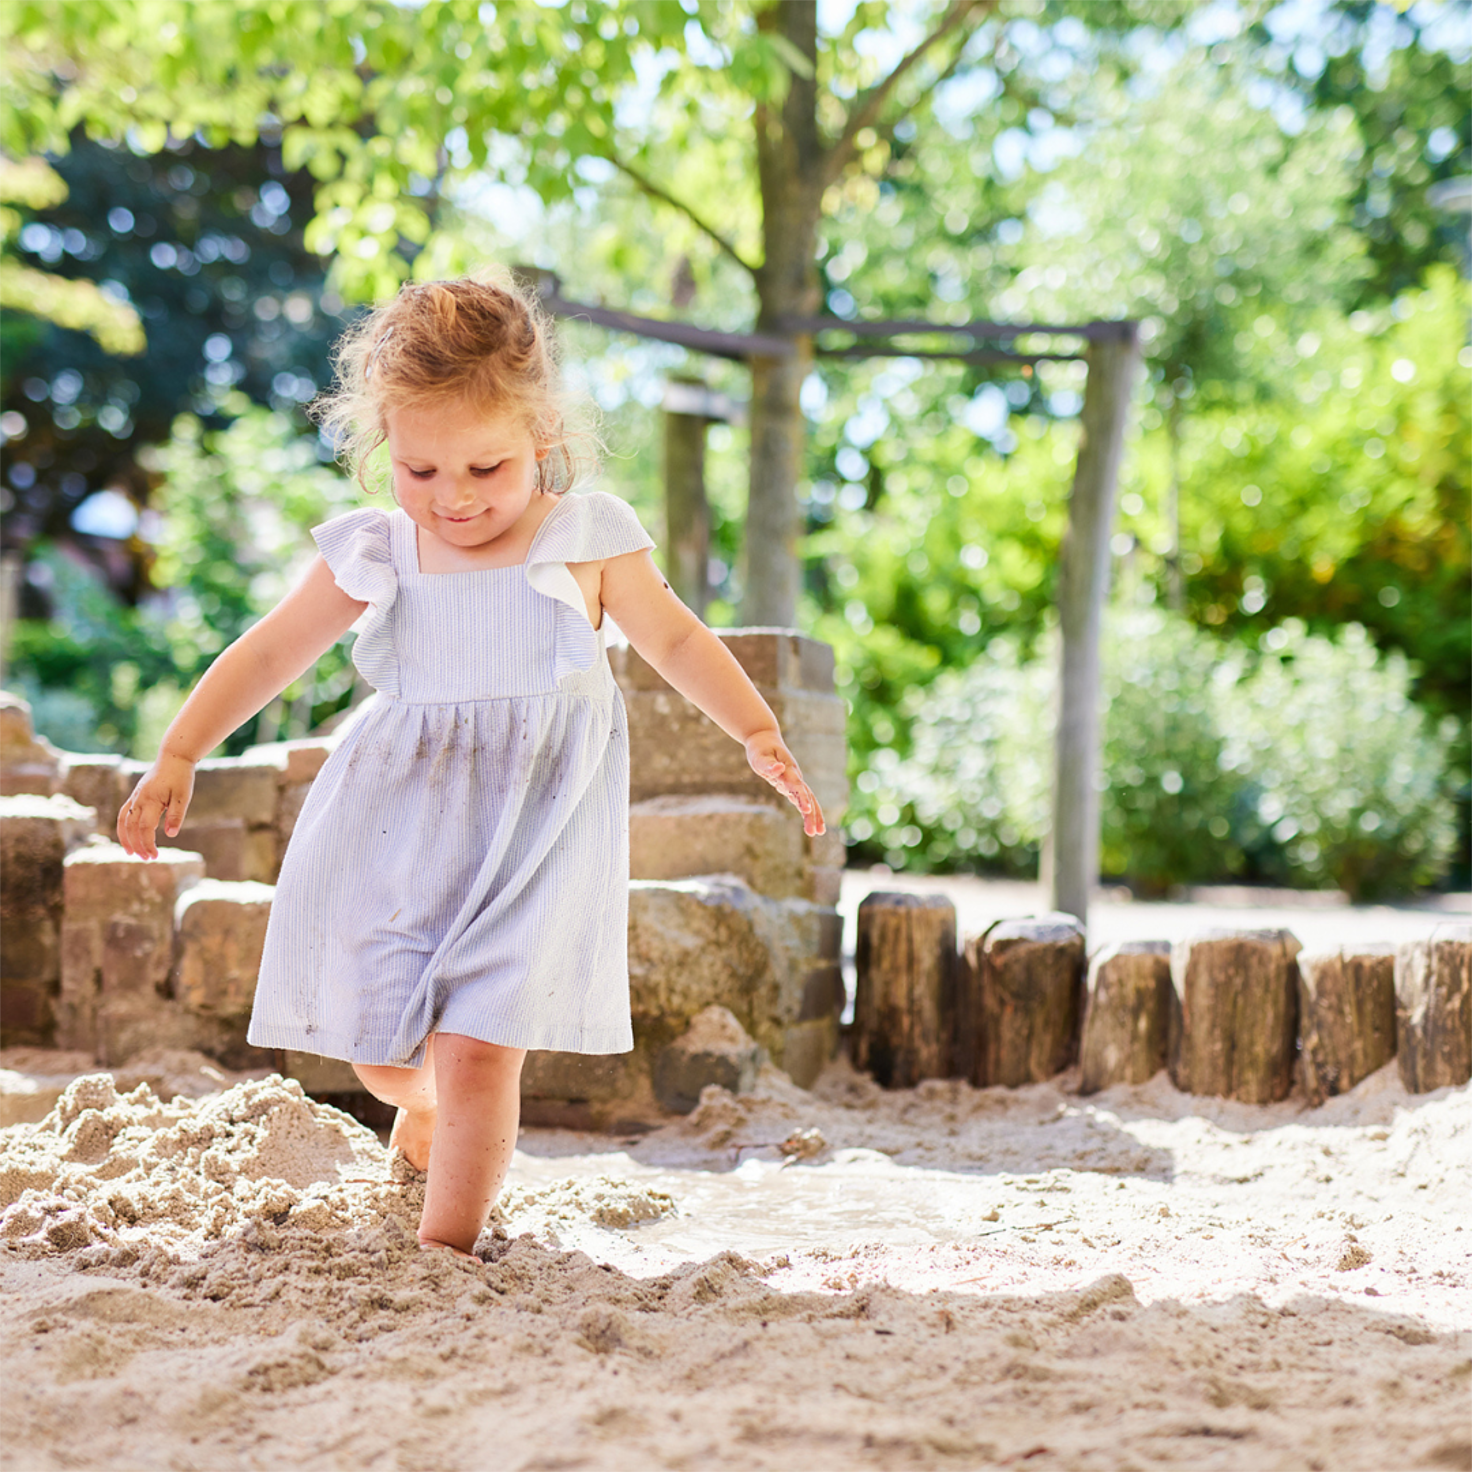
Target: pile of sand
<point>941,1277</point>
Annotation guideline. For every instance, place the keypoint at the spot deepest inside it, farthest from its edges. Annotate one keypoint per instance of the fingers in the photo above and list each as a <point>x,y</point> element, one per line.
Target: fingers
<point>137,823</point>
<point>786,777</point>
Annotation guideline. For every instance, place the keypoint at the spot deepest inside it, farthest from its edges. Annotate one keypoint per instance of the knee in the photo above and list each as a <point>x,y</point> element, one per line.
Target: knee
<point>386,1082</point>
<point>484,1061</point>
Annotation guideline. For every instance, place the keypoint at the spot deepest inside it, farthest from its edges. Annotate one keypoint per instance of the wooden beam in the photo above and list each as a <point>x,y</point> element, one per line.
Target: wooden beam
<point>1071,852</point>
<point>1098,331</point>
<point>736,345</point>
<point>977,355</point>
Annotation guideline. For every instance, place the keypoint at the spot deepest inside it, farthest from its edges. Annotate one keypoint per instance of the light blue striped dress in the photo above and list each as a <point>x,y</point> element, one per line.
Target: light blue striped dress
<point>461,861</point>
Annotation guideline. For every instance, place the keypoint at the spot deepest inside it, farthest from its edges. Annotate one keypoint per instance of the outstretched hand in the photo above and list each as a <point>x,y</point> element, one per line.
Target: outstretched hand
<point>163,792</point>
<point>771,760</point>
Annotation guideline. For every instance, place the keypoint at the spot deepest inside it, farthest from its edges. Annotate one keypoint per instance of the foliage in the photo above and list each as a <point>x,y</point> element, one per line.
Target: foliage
<point>1307,763</point>
<point>237,504</point>
<point>207,247</point>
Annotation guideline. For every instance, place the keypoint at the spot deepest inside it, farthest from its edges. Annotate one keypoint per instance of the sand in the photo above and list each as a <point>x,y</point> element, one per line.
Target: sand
<point>845,1278</point>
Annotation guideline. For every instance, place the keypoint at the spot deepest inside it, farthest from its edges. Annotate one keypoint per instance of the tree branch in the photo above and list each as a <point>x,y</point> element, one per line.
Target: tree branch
<point>649,187</point>
<point>868,107</point>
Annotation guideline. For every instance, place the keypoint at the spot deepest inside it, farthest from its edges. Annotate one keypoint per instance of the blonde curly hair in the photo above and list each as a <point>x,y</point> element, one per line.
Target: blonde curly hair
<point>481,339</point>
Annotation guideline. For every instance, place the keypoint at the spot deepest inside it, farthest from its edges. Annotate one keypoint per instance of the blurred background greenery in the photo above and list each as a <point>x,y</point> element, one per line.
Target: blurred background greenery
<point>1276,191</point>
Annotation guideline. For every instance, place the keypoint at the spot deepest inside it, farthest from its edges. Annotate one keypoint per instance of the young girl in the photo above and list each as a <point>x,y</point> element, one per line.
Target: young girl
<point>456,889</point>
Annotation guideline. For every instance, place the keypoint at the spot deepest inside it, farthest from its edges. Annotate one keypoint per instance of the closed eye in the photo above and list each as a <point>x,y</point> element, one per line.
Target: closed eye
<point>485,470</point>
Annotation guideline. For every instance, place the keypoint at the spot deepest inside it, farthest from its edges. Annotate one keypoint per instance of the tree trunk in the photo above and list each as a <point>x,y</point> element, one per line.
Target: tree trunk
<point>1235,1029</point>
<point>904,1008</point>
<point>686,510</point>
<point>790,164</point>
<point>1346,1017</point>
<point>1071,851</point>
<point>1127,1025</point>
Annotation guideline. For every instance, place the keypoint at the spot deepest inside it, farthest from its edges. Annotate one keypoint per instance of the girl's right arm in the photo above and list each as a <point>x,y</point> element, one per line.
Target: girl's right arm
<point>256,668</point>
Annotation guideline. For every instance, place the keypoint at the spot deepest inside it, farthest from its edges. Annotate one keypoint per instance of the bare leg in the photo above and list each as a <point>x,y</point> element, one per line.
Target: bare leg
<point>479,1088</point>
<point>412,1092</point>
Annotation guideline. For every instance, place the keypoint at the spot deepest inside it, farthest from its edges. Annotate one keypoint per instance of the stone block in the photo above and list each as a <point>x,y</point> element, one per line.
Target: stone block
<point>288,810</point>
<point>1433,1009</point>
<point>241,787</point>
<point>220,931</point>
<point>711,941</point>
<point>117,937</point>
<point>714,1049</point>
<point>774,659</point>
<point>581,1078</point>
<point>232,850</point>
<point>1234,1029</point>
<point>296,761</point>
<point>807,1047</point>
<point>674,749</point>
<point>1127,1018</point>
<point>1021,1001</point>
<point>128,1025</point>
<point>28,763</point>
<point>677,837</point>
<point>320,1076</point>
<point>1346,1017</point>
<point>98,782</point>
<point>36,834</point>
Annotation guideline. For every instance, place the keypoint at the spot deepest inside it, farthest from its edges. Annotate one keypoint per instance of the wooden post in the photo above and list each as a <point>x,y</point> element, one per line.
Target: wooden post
<point>904,1006</point>
<point>1235,1029</point>
<point>1433,1006</point>
<point>11,575</point>
<point>1071,851</point>
<point>1127,1025</point>
<point>1346,1017</point>
<point>1022,1001</point>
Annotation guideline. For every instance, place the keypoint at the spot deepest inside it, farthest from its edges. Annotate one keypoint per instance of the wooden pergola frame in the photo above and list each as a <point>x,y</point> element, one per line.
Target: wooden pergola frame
<point>1112,353</point>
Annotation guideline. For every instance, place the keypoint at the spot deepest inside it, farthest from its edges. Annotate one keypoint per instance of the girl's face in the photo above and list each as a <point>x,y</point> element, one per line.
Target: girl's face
<point>465,475</point>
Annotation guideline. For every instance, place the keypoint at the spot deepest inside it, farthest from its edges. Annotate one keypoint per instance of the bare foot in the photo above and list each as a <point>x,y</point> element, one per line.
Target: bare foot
<point>429,1244</point>
<point>411,1135</point>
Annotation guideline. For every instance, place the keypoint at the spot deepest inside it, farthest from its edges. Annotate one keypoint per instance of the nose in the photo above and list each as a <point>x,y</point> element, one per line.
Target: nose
<point>457,494</point>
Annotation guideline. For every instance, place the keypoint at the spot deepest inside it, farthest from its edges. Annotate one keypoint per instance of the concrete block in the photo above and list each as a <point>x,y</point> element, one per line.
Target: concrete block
<point>220,931</point>
<point>677,837</point>
<point>714,1049</point>
<point>232,849</point>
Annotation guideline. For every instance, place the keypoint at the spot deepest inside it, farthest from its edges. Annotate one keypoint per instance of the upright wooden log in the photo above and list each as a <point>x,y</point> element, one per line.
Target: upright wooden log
<point>1234,1029</point>
<point>1433,1009</point>
<point>1346,1017</point>
<point>1127,1022</point>
<point>1022,1000</point>
<point>904,1005</point>
<point>1071,851</point>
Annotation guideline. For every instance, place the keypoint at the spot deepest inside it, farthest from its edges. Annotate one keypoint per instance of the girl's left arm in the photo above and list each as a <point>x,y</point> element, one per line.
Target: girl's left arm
<point>670,637</point>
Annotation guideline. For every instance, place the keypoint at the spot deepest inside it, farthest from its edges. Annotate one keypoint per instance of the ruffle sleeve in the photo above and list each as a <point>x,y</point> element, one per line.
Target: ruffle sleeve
<point>588,527</point>
<point>358,549</point>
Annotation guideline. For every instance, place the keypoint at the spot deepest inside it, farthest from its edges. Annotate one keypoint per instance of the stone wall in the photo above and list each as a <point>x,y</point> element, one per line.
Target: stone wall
<point>731,906</point>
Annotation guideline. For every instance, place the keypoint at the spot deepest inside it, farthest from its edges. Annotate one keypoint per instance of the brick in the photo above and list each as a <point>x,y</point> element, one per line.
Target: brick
<point>220,933</point>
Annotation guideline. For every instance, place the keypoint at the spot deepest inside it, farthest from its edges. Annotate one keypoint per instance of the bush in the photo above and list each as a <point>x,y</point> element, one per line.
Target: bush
<point>1350,776</point>
<point>1308,764</point>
